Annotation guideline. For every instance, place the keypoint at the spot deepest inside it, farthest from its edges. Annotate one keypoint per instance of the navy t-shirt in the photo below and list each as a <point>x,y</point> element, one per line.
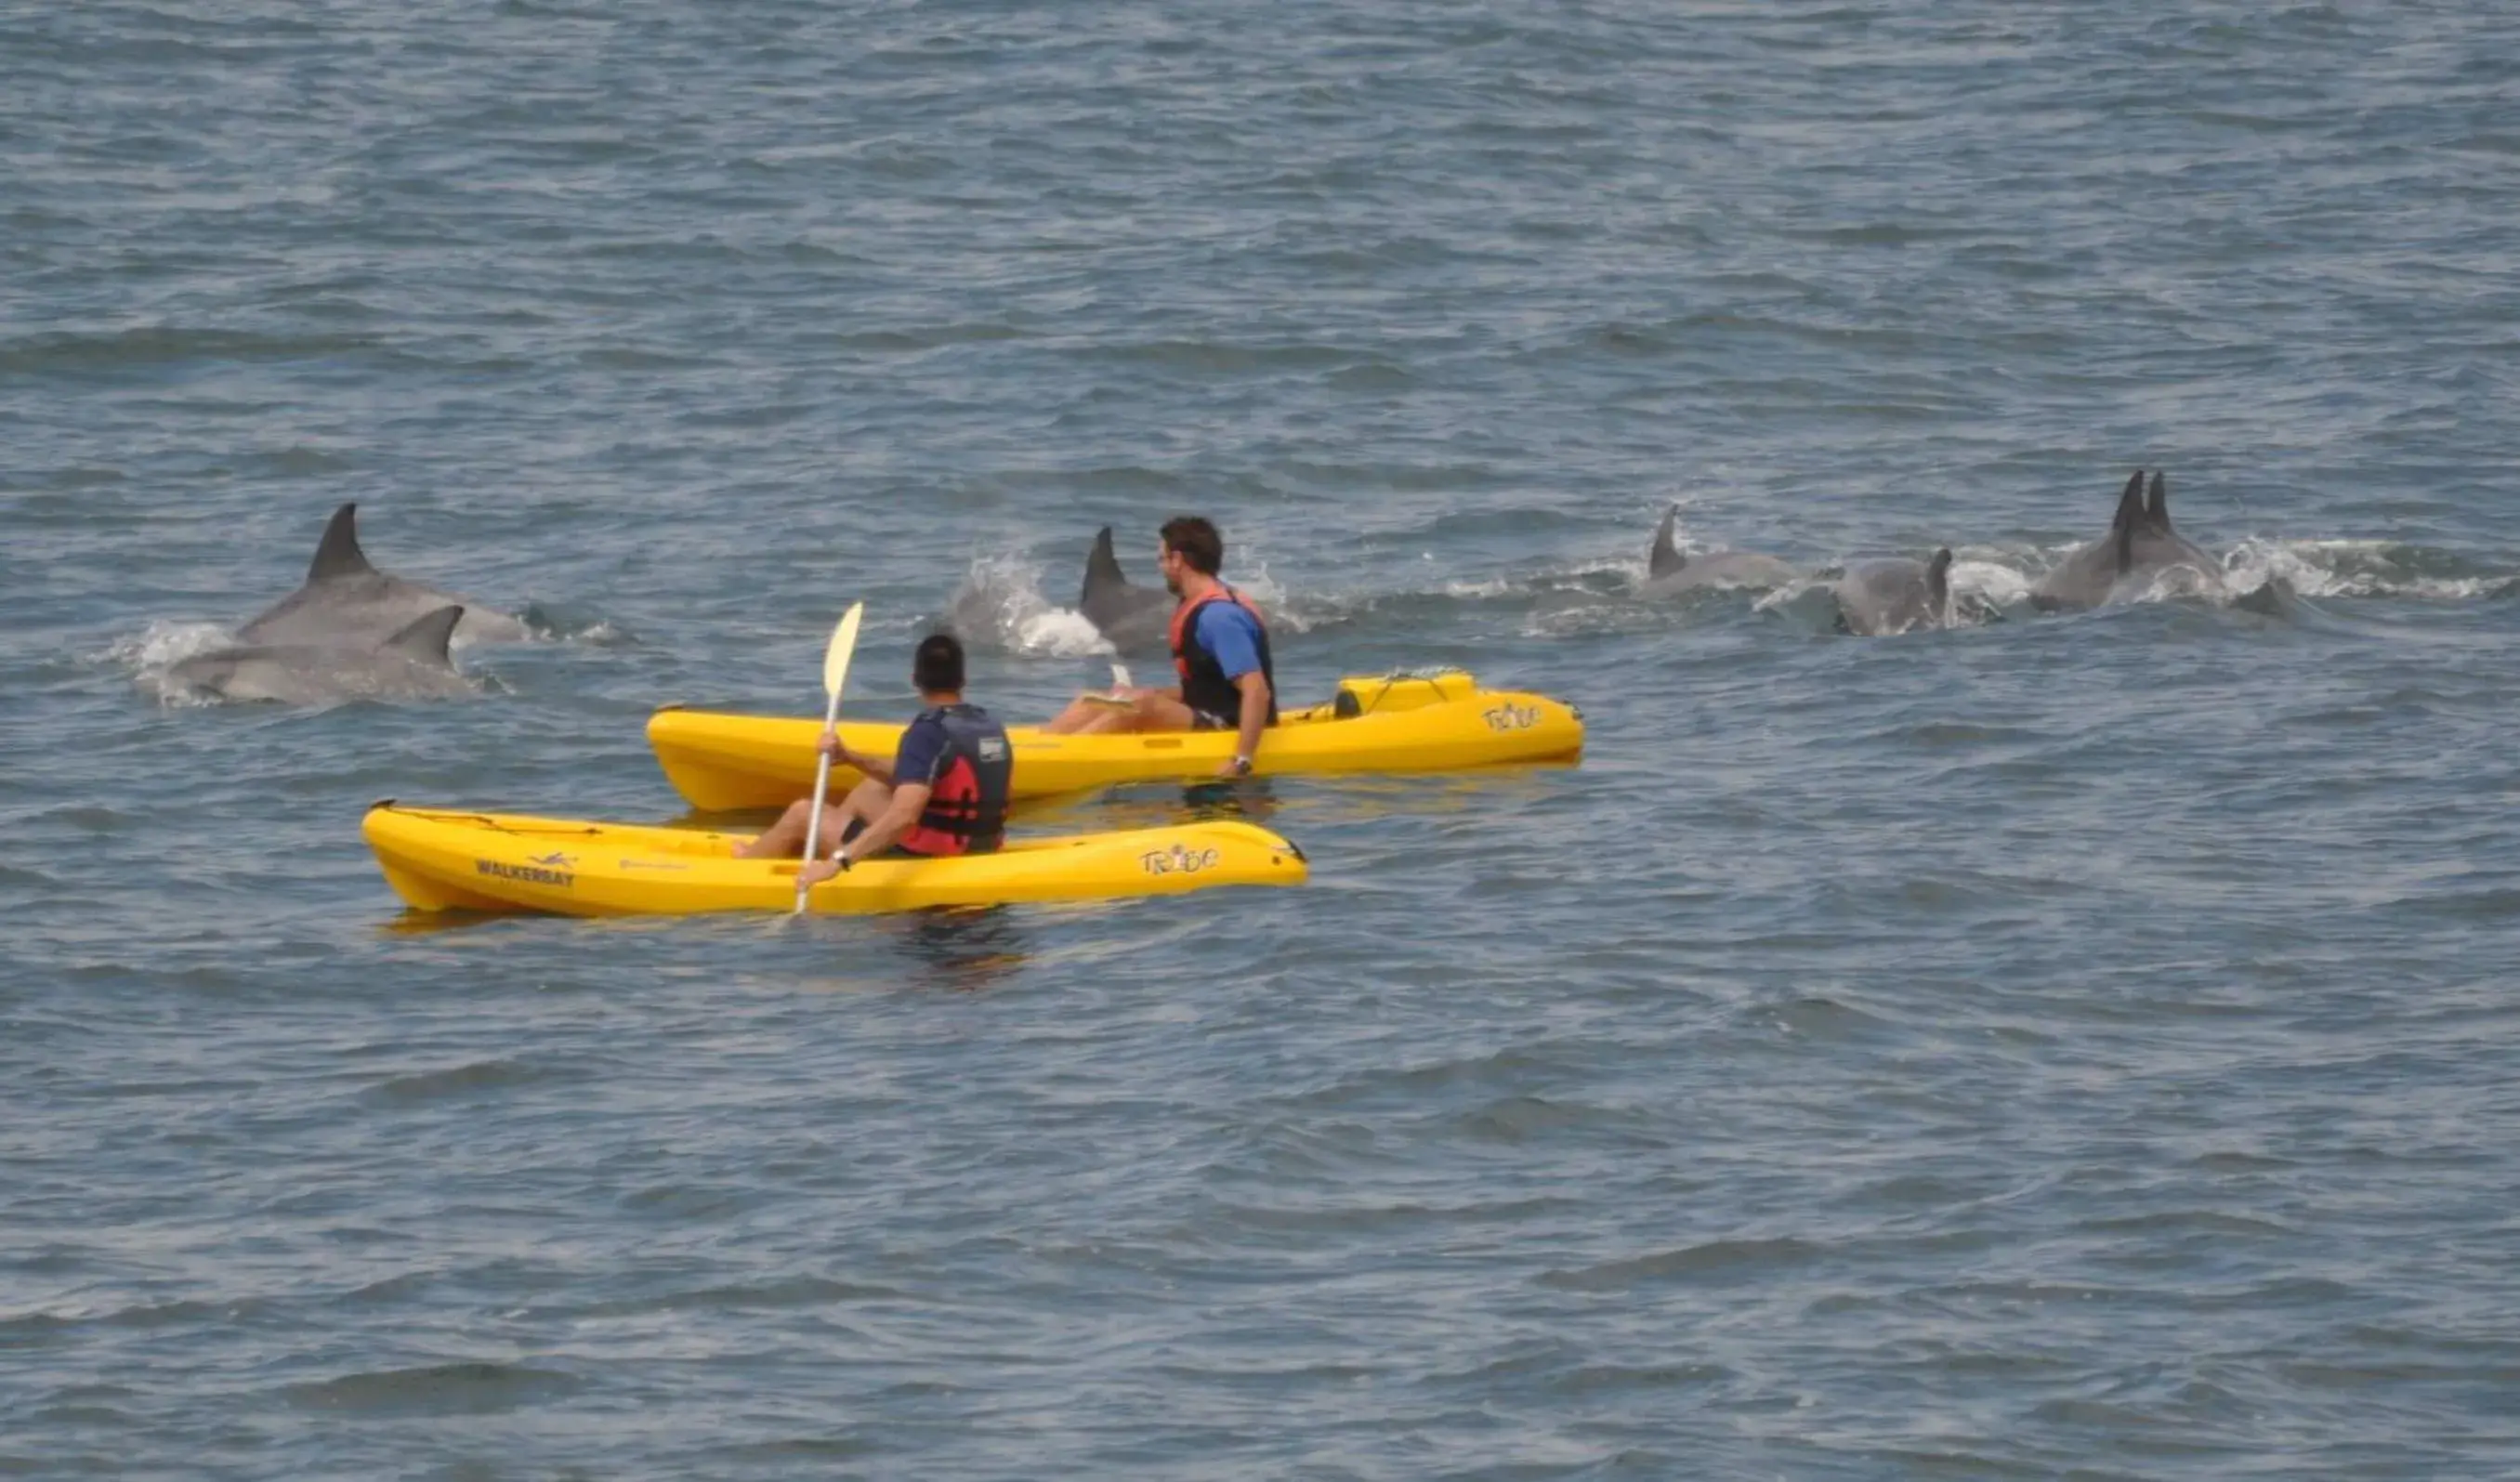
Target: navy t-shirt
<point>923,742</point>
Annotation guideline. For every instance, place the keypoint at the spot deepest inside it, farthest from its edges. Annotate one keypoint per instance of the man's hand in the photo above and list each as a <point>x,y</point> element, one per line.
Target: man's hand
<point>1252,721</point>
<point>815,872</point>
<point>834,748</point>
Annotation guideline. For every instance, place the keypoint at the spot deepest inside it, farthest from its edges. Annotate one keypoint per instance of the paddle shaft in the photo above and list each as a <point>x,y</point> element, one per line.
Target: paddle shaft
<point>835,677</point>
<point>822,788</point>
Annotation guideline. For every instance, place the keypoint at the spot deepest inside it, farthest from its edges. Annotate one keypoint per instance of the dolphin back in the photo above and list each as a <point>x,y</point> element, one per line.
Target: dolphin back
<point>1893,595</point>
<point>2159,547</point>
<point>1673,572</point>
<point>347,601</point>
<point>2140,539</point>
<point>413,664</point>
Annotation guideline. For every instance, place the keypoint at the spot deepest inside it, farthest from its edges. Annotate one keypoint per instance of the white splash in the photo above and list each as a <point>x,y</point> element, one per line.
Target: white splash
<point>2347,569</point>
<point>1791,593</point>
<point>153,653</point>
<point>1989,583</point>
<point>1250,576</point>
<point>163,645</point>
<point>1059,633</point>
<point>1000,603</point>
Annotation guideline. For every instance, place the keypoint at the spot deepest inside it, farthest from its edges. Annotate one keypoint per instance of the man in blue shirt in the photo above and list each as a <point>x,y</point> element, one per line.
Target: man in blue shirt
<point>1220,650</point>
<point>944,793</point>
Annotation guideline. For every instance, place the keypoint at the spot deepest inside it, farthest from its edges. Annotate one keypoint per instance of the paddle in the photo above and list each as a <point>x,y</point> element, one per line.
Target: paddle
<point>835,673</point>
<point>1119,695</point>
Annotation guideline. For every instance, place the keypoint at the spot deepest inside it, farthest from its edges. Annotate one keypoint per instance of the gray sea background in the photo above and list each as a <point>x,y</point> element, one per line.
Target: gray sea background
<point>2074,1045</point>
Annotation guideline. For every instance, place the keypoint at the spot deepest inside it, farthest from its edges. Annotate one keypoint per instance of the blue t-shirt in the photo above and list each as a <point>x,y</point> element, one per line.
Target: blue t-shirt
<point>923,742</point>
<point>1229,631</point>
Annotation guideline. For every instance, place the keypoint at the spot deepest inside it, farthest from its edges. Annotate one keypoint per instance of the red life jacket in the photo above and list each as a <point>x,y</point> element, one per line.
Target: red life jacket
<point>1204,686</point>
<point>967,801</point>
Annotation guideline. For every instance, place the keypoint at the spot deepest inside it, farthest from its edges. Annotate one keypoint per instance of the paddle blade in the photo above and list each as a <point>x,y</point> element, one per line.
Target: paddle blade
<point>844,643</point>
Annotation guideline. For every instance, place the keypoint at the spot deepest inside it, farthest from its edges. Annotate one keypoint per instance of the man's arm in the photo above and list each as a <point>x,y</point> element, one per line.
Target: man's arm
<point>1255,716</point>
<point>875,767</point>
<point>909,800</point>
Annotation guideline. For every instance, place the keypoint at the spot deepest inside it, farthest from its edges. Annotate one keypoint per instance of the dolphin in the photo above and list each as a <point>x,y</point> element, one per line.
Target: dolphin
<point>1129,617</point>
<point>1668,572</point>
<point>2140,544</point>
<point>411,664</point>
<point>348,600</point>
<point>1894,595</point>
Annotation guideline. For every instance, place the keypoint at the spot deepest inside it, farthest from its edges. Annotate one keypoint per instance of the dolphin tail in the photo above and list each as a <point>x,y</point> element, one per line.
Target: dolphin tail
<point>2123,524</point>
<point>2156,512</point>
<point>1666,557</point>
<point>426,641</point>
<point>1938,583</point>
<point>1101,567</point>
<point>339,552</point>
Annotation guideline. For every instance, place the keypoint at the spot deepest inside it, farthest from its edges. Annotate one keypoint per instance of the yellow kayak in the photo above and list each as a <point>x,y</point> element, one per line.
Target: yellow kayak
<point>1381,723</point>
<point>439,860</point>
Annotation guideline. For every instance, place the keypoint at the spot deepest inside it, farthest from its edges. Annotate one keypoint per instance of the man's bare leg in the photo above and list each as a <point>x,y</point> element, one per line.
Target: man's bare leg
<point>786,839</point>
<point>1146,710</point>
<point>1073,719</point>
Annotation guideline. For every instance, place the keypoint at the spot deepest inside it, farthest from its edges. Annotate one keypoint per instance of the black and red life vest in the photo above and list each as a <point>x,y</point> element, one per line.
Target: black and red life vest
<point>1204,686</point>
<point>966,799</point>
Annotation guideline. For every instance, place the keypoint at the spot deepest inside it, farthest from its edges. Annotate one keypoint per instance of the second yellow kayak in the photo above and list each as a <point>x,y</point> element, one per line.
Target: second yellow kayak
<point>1378,723</point>
<point>444,860</point>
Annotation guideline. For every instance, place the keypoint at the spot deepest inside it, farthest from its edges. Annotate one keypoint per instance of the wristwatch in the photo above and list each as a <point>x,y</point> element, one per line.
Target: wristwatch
<point>840,857</point>
<point>1243,765</point>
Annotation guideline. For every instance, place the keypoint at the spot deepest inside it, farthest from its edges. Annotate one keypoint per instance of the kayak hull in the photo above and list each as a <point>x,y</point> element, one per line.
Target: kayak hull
<point>440,860</point>
<point>721,762</point>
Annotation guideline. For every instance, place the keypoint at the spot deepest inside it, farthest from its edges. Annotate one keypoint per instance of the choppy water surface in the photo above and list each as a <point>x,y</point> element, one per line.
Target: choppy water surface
<point>2072,1044</point>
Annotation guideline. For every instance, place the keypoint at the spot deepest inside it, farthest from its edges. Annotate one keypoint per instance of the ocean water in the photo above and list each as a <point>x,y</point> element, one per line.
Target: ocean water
<point>2073,1045</point>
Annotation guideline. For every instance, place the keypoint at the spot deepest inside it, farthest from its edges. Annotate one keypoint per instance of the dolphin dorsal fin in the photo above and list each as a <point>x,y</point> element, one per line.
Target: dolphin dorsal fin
<point>339,552</point>
<point>2129,505</point>
<point>2156,512</point>
<point>2123,525</point>
<point>1666,557</point>
<point>426,640</point>
<point>1938,581</point>
<point>1101,567</point>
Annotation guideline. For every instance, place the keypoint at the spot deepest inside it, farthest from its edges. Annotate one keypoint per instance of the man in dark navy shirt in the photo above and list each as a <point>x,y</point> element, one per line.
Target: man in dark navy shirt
<point>1220,650</point>
<point>944,793</point>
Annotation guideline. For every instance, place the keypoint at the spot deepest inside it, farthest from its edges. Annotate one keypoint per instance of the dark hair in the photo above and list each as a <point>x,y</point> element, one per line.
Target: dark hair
<point>1195,540</point>
<point>939,667</point>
